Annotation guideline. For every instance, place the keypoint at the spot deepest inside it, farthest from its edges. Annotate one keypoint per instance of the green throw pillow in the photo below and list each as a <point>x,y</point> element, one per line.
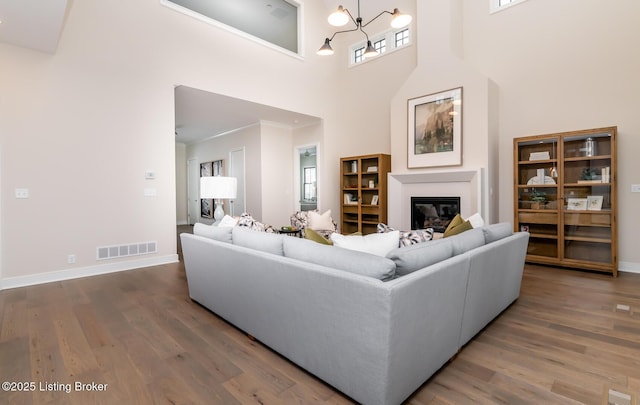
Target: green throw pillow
<point>316,237</point>
<point>456,226</point>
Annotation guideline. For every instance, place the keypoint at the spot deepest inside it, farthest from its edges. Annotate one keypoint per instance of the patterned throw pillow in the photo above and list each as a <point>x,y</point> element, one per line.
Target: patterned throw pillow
<point>408,238</point>
<point>248,221</point>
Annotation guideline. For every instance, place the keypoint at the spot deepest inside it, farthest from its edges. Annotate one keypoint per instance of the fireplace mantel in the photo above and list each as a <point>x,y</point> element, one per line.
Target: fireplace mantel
<point>468,184</point>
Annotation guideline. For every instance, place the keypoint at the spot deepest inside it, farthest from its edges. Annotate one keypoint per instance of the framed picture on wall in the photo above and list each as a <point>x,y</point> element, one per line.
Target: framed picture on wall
<point>216,166</point>
<point>435,129</point>
<point>206,169</point>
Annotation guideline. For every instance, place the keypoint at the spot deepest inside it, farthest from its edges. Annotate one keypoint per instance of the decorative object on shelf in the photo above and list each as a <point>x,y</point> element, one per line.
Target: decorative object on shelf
<point>535,180</point>
<point>372,184</point>
<point>590,175</point>
<point>342,16</point>
<point>350,199</point>
<point>435,129</point>
<point>374,200</point>
<point>218,188</point>
<point>372,169</point>
<point>538,199</point>
<point>590,147</point>
<point>594,202</point>
<point>576,204</point>
<point>539,156</point>
<point>354,166</point>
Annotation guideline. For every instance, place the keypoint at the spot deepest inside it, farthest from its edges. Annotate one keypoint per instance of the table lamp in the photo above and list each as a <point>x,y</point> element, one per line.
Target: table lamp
<point>218,188</point>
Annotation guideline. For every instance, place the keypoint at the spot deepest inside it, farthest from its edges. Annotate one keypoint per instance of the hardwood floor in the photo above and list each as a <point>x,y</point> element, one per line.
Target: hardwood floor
<point>138,333</point>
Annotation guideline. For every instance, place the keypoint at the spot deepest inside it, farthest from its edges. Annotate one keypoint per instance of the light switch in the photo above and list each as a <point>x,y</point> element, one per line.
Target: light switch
<point>22,193</point>
<point>635,188</point>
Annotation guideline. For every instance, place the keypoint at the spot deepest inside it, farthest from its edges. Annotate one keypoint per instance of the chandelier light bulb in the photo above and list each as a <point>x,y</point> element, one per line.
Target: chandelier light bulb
<point>400,20</point>
<point>338,18</point>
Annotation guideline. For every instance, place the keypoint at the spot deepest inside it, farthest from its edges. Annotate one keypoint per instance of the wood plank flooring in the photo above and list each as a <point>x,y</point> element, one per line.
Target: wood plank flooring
<point>137,332</point>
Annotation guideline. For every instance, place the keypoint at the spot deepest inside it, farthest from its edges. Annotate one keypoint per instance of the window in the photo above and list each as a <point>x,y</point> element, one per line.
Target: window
<point>380,45</point>
<point>276,24</point>
<point>358,55</point>
<point>402,37</point>
<point>499,5</point>
<point>309,183</point>
<point>397,39</point>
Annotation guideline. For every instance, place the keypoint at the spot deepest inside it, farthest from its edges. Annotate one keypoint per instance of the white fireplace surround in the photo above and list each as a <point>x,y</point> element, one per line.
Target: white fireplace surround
<point>468,184</point>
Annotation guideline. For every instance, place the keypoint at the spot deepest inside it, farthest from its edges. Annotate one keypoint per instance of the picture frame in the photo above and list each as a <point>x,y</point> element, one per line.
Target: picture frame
<point>594,202</point>
<point>206,208</point>
<point>374,200</point>
<point>434,136</point>
<point>576,204</point>
<point>206,169</point>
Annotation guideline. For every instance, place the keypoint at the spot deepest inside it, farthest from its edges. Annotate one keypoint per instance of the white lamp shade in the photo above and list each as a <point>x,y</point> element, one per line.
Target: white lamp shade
<point>218,187</point>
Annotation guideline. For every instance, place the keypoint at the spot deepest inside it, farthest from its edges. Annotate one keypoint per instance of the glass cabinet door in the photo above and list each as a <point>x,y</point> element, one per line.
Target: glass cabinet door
<point>537,194</point>
<point>588,197</point>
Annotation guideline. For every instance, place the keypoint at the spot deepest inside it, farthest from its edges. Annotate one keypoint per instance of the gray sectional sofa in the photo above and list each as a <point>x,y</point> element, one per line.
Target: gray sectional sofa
<point>376,328</point>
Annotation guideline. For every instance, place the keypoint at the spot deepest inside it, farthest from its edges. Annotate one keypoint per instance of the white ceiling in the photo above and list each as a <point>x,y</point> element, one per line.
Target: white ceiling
<point>201,115</point>
<point>34,24</point>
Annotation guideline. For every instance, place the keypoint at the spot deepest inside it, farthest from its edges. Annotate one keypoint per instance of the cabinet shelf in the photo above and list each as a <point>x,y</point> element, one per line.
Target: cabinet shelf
<point>583,239</point>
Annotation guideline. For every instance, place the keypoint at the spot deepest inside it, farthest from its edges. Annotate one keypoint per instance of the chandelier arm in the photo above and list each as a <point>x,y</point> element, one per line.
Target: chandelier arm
<point>340,32</point>
<point>374,18</point>
<point>350,16</point>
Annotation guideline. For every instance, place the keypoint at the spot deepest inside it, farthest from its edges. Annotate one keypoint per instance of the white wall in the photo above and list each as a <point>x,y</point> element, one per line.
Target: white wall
<point>80,127</point>
<point>182,211</point>
<point>277,174</point>
<point>563,66</point>
<point>218,149</point>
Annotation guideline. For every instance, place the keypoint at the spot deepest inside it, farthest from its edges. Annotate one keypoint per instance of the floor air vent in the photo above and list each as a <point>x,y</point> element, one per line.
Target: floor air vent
<point>132,249</point>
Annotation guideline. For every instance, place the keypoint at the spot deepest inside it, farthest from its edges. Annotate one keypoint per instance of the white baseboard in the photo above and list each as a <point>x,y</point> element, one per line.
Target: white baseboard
<point>629,267</point>
<point>41,278</point>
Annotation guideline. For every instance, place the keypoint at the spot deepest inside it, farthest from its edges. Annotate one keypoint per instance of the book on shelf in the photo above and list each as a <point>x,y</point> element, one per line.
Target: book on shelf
<point>594,181</point>
<point>606,174</point>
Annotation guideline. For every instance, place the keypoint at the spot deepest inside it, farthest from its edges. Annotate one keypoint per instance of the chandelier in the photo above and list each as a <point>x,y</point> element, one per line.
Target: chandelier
<point>341,17</point>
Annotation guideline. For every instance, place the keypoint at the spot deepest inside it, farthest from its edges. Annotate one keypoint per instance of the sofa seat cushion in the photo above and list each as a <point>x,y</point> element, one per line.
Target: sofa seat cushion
<point>222,234</point>
<point>334,257</point>
<point>376,243</point>
<point>415,257</point>
<point>263,241</point>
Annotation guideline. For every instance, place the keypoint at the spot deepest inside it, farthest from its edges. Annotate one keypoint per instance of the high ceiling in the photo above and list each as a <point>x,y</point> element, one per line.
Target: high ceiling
<point>38,24</point>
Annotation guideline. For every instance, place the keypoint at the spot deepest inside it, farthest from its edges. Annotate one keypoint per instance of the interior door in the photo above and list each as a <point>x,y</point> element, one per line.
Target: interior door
<point>193,191</point>
<point>236,169</point>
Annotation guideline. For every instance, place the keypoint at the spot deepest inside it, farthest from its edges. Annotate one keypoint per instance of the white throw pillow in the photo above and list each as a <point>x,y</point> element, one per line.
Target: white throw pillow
<point>476,220</point>
<point>320,222</point>
<point>228,221</point>
<point>378,244</point>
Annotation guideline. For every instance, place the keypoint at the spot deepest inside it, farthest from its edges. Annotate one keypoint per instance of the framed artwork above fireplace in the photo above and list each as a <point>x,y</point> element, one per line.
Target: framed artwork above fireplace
<point>435,129</point>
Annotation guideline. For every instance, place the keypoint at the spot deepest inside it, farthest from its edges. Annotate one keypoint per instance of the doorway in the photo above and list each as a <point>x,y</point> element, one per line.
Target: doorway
<point>306,177</point>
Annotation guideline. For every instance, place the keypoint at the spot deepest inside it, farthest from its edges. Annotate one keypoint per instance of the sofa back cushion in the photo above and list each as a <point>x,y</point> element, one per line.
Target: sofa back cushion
<point>338,258</point>
<point>467,240</point>
<point>222,234</point>
<point>415,257</point>
<point>496,232</point>
<point>263,241</point>
<point>378,244</point>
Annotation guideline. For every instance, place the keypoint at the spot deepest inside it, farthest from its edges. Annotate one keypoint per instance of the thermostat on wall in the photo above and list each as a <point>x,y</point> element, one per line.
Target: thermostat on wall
<point>150,175</point>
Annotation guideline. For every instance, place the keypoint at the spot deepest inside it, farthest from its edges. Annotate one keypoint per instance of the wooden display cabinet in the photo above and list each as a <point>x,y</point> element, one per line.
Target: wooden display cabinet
<point>565,196</point>
<point>363,182</point>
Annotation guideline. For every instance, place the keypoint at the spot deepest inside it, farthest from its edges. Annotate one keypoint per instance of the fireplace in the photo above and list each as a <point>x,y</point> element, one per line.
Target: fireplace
<point>433,212</point>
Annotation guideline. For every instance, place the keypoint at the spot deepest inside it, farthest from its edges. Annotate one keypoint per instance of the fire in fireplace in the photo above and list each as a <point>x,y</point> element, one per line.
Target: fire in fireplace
<point>433,212</point>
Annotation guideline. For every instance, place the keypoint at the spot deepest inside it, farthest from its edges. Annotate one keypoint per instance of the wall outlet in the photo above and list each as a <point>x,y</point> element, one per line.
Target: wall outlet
<point>635,188</point>
<point>71,259</point>
<point>22,193</point>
